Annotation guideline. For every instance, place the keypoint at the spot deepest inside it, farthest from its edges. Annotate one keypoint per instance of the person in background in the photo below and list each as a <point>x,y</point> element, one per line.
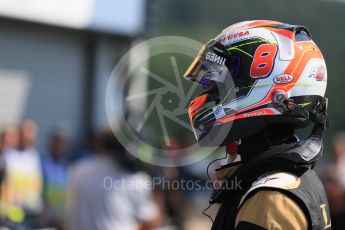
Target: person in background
<point>9,139</point>
<point>334,182</point>
<point>2,167</point>
<point>8,142</point>
<point>22,185</point>
<point>175,200</point>
<point>106,193</point>
<point>55,174</point>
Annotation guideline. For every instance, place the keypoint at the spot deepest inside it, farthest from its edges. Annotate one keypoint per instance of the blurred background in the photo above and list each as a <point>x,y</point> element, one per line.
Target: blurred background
<point>55,150</point>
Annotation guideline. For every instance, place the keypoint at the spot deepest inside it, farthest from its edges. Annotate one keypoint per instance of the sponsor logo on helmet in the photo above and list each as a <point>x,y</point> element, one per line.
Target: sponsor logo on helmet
<point>235,35</point>
<point>218,111</point>
<point>215,58</point>
<point>255,114</point>
<point>260,112</point>
<point>318,73</point>
<point>283,79</point>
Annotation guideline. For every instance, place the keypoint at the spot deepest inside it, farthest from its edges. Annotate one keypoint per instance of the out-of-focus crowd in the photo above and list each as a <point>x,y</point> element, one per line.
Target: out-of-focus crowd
<point>48,189</point>
<point>103,187</point>
<point>106,188</point>
<point>24,194</point>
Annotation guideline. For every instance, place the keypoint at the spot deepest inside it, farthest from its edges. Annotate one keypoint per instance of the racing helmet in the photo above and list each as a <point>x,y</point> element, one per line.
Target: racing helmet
<point>277,75</point>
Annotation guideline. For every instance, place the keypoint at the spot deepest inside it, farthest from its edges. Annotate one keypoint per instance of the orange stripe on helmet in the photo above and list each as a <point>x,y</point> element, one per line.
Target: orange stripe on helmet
<point>304,52</point>
<point>263,23</point>
<point>195,105</point>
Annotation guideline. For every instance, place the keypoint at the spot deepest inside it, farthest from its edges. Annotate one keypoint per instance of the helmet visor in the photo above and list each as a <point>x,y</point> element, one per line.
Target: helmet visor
<point>211,66</point>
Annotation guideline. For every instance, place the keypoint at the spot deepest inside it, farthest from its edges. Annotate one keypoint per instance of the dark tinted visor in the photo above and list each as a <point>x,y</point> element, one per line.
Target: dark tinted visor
<point>212,64</point>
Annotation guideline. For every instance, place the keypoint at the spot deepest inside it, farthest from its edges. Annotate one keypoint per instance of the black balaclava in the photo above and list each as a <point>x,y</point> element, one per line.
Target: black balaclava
<point>273,135</point>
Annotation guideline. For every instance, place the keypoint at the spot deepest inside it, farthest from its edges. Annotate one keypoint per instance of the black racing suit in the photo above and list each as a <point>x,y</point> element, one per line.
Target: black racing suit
<point>278,191</point>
